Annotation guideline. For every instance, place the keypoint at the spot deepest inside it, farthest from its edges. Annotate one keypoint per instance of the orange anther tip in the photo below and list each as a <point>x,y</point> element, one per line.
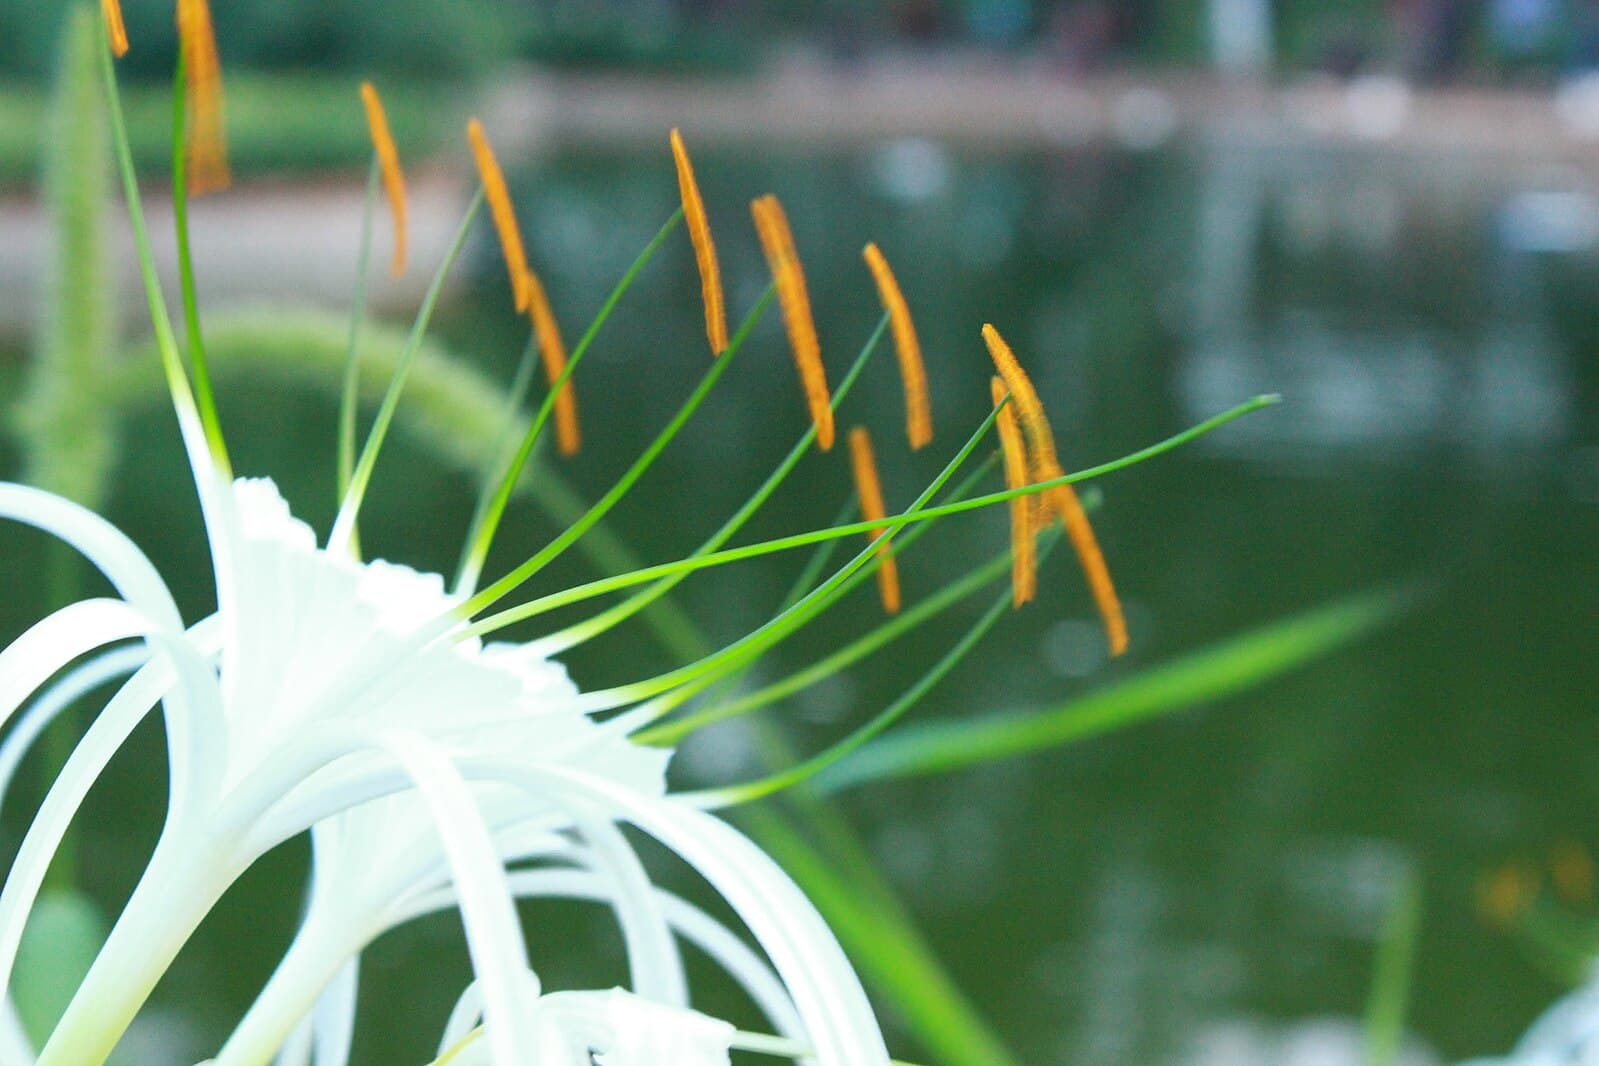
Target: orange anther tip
<point>699,232</point>
<point>777,241</point>
<point>918,406</point>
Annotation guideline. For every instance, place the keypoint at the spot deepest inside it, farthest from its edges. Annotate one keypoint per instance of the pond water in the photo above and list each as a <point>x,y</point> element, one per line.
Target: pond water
<point>1201,889</point>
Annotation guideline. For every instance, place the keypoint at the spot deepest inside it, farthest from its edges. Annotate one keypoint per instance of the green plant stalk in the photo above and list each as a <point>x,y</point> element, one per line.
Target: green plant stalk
<point>66,431</point>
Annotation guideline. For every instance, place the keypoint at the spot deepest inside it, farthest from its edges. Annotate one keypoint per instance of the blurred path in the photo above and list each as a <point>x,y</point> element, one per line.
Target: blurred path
<point>297,240</point>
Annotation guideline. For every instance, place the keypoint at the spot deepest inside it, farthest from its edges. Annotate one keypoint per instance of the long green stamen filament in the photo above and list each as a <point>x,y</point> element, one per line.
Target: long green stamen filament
<point>881,636</point>
<point>869,731</point>
<point>659,707</point>
<point>344,525</point>
<point>757,641</point>
<point>348,392</point>
<point>498,496</point>
<point>573,532</point>
<point>603,586</point>
<point>563,639</point>
<point>204,397</point>
<point>160,321</point>
<point>501,456</point>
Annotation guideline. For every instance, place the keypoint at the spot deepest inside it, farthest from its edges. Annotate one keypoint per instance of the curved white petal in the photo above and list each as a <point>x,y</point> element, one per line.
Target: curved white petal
<point>493,933</point>
<point>839,1022</point>
<point>58,697</point>
<point>94,751</point>
<point>724,946</point>
<point>105,546</point>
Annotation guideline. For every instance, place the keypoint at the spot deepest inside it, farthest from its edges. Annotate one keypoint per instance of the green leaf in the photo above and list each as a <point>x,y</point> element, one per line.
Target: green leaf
<point>1222,670</point>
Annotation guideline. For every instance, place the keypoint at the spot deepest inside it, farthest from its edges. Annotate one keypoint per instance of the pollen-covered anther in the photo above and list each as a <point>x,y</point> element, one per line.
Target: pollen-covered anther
<point>552,353</point>
<point>1044,465</point>
<point>777,241</point>
<point>116,30</point>
<point>699,232</point>
<point>869,489</point>
<point>207,144</point>
<point>499,198</point>
<point>918,406</point>
<point>389,165</point>
<point>1024,559</point>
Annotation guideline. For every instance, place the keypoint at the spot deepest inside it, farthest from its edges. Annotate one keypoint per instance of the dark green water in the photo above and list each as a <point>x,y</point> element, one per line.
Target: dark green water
<point>1211,881</point>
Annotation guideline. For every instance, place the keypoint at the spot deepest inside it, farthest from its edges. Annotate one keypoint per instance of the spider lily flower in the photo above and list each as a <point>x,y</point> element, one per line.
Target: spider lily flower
<point>359,701</point>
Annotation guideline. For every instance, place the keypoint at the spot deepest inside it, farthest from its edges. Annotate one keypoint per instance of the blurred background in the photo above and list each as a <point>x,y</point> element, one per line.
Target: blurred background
<point>1386,211</point>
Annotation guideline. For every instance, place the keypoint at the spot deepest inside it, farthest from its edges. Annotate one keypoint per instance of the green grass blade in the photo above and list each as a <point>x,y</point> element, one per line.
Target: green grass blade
<point>1393,973</point>
<point>1223,670</point>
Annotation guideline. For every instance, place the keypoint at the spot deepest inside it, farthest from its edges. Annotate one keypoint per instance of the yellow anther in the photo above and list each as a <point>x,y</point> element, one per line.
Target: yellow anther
<point>115,29</point>
<point>1044,465</point>
<point>552,352</point>
<point>918,408</point>
<point>1024,560</point>
<point>389,164</point>
<point>699,232</point>
<point>870,491</point>
<point>499,198</point>
<point>207,146</point>
<point>777,241</point>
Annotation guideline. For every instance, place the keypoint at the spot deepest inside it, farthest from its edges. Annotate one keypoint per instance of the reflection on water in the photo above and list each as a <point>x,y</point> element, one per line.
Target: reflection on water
<point>1206,889</point>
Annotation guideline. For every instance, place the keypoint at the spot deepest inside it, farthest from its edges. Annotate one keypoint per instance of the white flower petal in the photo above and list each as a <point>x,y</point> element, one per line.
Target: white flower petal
<point>493,934</point>
<point>839,1022</point>
<point>728,950</point>
<point>58,697</point>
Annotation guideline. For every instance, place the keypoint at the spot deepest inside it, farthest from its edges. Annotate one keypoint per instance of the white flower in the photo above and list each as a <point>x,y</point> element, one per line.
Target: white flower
<point>339,696</point>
